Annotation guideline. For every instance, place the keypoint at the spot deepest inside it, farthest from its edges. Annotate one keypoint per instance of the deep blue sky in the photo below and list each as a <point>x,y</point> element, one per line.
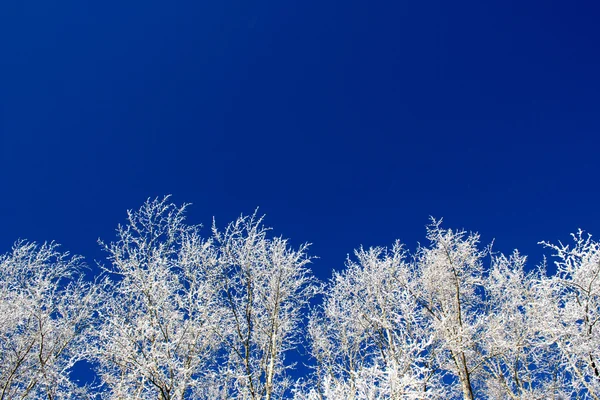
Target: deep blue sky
<point>347,123</point>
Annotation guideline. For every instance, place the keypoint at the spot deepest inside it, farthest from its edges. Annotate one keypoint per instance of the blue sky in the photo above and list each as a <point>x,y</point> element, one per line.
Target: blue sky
<point>347,123</point>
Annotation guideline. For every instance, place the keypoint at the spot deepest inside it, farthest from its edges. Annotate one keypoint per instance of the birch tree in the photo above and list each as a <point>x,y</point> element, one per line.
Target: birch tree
<point>517,362</point>
<point>370,339</point>
<point>157,338</point>
<point>570,305</point>
<point>265,286</point>
<point>450,277</point>
<point>46,309</point>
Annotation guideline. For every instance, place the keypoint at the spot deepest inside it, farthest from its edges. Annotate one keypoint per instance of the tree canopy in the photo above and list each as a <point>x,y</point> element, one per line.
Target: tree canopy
<point>179,314</point>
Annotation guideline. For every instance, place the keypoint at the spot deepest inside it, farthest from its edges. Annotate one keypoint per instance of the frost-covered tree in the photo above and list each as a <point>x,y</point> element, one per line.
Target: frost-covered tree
<point>517,362</point>
<point>186,317</point>
<point>449,275</point>
<point>569,305</point>
<point>370,339</point>
<point>46,309</point>
<point>264,288</point>
<point>448,322</point>
<point>157,336</point>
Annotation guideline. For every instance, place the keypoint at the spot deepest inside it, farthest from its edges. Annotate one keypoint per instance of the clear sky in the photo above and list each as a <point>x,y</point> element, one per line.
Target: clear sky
<point>347,123</point>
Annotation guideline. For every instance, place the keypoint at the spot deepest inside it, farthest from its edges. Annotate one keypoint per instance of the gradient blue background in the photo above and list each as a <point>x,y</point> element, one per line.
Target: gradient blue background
<point>347,123</point>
